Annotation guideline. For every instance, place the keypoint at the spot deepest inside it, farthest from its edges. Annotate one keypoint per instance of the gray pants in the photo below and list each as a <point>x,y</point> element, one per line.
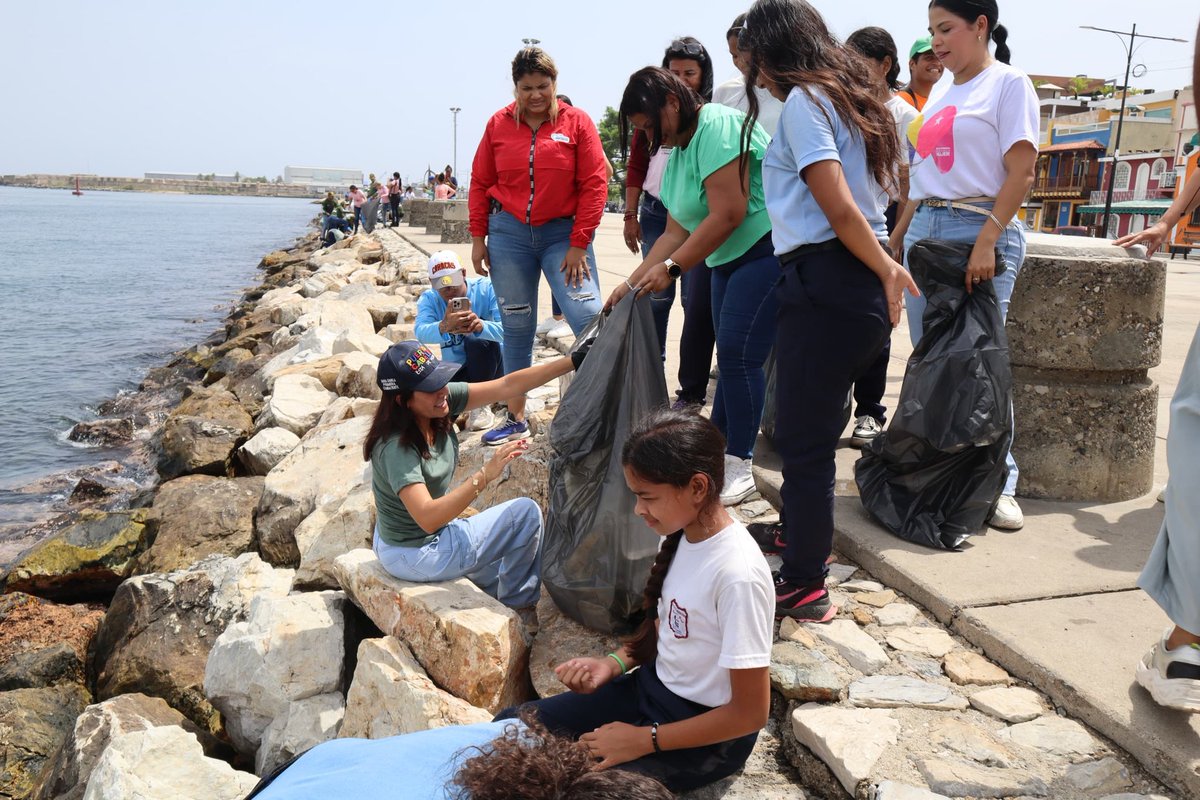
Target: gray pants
<point>1172,573</point>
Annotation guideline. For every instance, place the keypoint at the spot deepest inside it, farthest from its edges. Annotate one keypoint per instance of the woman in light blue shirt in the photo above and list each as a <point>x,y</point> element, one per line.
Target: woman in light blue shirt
<point>833,153</point>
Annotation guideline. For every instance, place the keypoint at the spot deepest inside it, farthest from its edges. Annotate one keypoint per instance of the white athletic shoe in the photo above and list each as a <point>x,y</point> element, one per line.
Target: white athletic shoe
<point>1007,516</point>
<point>866,428</point>
<point>739,481</point>
<point>481,419</point>
<point>1172,677</point>
<point>560,329</point>
<point>545,326</point>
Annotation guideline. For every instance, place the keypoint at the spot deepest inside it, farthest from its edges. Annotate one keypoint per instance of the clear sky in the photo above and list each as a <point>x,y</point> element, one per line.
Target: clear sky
<point>122,87</point>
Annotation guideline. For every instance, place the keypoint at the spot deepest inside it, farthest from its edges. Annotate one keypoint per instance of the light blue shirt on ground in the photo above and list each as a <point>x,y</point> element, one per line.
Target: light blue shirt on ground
<point>810,132</point>
<point>415,766</point>
<point>431,310</point>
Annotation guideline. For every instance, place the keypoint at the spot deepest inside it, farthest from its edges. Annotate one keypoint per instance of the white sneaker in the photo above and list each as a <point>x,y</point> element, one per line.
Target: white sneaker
<point>739,480</point>
<point>545,326</point>
<point>1007,516</point>
<point>560,329</point>
<point>866,428</point>
<point>1172,677</point>
<point>481,419</point>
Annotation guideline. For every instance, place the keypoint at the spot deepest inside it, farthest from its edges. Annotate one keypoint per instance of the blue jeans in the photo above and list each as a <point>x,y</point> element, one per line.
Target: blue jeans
<point>519,255</point>
<point>500,550</point>
<point>654,221</point>
<point>956,225</point>
<point>744,308</point>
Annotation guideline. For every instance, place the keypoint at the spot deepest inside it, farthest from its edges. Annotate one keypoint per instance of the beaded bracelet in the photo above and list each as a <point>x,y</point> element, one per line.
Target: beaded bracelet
<point>654,737</point>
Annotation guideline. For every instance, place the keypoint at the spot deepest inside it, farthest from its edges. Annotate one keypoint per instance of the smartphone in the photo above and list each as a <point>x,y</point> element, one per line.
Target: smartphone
<point>460,304</point>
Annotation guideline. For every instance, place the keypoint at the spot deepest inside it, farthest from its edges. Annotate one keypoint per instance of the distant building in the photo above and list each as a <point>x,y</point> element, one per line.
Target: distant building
<point>189,176</point>
<point>322,177</point>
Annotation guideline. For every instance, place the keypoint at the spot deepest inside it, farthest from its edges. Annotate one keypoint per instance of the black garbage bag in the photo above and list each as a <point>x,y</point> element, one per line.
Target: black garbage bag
<point>597,553</point>
<point>935,474</point>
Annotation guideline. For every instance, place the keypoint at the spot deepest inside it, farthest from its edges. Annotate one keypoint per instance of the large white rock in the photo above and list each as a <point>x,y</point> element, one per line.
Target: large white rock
<point>333,529</point>
<point>165,763</point>
<point>345,408</point>
<point>357,375</point>
<point>1011,704</point>
<point>343,317</point>
<point>302,725</point>
<point>357,342</point>
<point>852,643</point>
<point>266,449</point>
<point>890,790</point>
<point>1055,735</point>
<point>902,691</point>
<point>923,640</point>
<point>327,464</point>
<point>468,642</point>
<point>849,740</point>
<point>288,649</point>
<point>297,402</point>
<point>391,694</point>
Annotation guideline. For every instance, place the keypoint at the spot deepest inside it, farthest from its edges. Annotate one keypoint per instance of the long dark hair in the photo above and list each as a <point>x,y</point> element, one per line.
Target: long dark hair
<point>670,447</point>
<point>877,44</point>
<point>791,45</point>
<point>971,10</point>
<point>647,93</point>
<point>394,418</point>
<point>689,48</point>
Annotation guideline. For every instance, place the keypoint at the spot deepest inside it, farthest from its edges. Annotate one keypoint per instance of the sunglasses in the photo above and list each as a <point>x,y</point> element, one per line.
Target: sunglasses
<point>688,48</point>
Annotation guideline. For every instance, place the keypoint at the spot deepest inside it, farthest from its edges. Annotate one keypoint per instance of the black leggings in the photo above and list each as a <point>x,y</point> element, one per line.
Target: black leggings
<point>640,698</point>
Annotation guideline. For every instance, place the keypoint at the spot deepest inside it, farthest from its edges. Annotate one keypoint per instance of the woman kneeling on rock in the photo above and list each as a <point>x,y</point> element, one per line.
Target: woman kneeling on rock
<point>413,450</point>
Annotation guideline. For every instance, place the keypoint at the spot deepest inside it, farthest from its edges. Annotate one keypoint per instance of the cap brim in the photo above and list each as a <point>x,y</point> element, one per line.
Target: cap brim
<point>439,377</point>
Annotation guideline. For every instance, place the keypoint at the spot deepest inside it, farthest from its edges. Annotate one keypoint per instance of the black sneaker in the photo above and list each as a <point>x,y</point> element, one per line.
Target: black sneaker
<point>806,604</point>
<point>770,537</point>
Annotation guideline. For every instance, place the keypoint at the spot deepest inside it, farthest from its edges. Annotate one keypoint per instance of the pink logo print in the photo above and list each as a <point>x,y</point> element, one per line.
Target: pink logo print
<point>677,619</point>
<point>936,138</point>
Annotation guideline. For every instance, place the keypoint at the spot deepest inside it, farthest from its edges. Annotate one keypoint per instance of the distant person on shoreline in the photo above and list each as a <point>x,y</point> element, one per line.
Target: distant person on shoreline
<point>470,337</point>
<point>443,190</point>
<point>336,228</point>
<point>357,199</point>
<point>394,191</point>
<point>449,173</point>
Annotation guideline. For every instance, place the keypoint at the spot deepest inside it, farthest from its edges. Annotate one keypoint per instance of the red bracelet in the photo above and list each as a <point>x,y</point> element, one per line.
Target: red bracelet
<point>631,216</point>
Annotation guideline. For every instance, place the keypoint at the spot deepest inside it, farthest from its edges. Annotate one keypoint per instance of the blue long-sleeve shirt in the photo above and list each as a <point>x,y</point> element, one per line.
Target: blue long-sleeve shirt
<point>431,310</point>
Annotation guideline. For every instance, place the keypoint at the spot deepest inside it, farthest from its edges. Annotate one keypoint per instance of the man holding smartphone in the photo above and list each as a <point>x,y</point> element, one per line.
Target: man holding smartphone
<point>462,317</point>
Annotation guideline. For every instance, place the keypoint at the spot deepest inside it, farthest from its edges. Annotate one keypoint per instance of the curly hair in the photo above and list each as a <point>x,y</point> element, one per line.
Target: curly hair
<point>531,763</point>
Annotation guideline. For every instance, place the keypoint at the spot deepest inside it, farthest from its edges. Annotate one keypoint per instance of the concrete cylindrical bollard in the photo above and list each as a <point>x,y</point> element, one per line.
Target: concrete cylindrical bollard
<point>433,217</point>
<point>414,210</point>
<point>455,223</point>
<point>1084,328</point>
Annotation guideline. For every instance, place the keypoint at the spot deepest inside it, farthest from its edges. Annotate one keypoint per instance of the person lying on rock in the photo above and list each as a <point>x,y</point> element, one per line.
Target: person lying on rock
<point>486,761</point>
<point>691,711</point>
<point>413,450</point>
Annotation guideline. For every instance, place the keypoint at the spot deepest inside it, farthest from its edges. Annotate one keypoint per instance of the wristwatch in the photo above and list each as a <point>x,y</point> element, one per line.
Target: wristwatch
<point>673,269</point>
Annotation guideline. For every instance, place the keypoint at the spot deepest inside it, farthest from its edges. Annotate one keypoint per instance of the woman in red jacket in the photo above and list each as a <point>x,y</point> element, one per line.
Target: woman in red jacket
<point>538,186</point>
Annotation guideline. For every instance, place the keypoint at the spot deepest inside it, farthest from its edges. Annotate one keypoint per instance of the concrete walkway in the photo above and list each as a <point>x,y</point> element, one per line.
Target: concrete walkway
<point>1056,603</point>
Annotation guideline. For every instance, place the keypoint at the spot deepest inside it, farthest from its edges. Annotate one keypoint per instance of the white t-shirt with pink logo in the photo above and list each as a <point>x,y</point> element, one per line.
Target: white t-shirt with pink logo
<point>717,613</point>
<point>962,135</point>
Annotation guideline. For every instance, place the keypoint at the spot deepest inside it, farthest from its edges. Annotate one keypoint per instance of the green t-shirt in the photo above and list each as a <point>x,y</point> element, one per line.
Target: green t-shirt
<point>717,142</point>
<point>395,465</point>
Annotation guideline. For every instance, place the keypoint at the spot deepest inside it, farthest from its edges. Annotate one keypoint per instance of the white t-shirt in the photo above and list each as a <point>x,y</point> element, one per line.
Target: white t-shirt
<point>654,172</point>
<point>962,135</point>
<point>732,93</point>
<point>716,613</point>
<point>903,114</point>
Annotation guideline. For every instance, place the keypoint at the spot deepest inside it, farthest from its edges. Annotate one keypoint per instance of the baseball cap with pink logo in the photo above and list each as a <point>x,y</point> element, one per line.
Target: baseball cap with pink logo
<point>445,270</point>
<point>411,366</point>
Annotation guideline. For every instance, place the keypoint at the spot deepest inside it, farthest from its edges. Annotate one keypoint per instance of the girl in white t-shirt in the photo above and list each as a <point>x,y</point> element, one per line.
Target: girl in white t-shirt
<point>691,711</point>
<point>974,148</point>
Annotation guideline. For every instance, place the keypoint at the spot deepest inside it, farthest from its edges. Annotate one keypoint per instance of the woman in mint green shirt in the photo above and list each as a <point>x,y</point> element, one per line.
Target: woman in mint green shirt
<point>717,219</point>
<point>413,450</point>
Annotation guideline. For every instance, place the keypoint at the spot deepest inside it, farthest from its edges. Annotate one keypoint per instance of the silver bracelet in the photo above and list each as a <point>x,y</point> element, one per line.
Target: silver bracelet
<point>632,288</point>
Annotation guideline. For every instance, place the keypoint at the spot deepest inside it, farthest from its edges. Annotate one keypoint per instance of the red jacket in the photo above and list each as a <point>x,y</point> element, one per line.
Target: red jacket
<point>562,175</point>
<point>638,164</point>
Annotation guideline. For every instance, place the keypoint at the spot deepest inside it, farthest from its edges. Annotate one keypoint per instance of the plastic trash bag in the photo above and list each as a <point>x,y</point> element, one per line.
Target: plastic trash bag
<point>597,553</point>
<point>935,474</point>
<point>370,214</point>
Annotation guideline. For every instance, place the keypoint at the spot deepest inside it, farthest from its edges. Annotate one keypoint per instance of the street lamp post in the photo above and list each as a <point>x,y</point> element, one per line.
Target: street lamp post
<point>454,112</point>
<point>1112,171</point>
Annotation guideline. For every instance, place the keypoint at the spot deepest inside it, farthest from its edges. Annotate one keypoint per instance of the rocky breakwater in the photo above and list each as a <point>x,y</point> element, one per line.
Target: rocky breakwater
<point>235,616</point>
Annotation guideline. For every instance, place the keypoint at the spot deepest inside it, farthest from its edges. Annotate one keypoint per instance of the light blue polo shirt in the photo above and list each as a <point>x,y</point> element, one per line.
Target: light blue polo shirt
<point>810,132</point>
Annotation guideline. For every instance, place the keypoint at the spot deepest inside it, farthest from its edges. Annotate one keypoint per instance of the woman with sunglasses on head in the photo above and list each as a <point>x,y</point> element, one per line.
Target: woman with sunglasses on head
<point>975,150</point>
<point>839,297</point>
<point>717,221</point>
<point>687,59</point>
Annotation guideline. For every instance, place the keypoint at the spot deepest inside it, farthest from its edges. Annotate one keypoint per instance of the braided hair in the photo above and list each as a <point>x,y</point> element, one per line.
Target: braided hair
<point>670,447</point>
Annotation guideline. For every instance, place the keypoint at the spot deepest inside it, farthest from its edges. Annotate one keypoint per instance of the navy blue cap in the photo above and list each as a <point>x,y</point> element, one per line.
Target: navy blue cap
<point>413,367</point>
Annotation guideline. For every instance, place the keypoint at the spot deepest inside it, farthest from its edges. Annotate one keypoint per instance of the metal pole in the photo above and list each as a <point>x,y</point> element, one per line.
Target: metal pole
<point>1112,173</point>
<point>454,111</point>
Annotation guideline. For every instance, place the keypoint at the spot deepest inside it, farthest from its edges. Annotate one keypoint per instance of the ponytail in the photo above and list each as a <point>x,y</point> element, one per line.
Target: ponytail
<point>1000,37</point>
<point>643,644</point>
